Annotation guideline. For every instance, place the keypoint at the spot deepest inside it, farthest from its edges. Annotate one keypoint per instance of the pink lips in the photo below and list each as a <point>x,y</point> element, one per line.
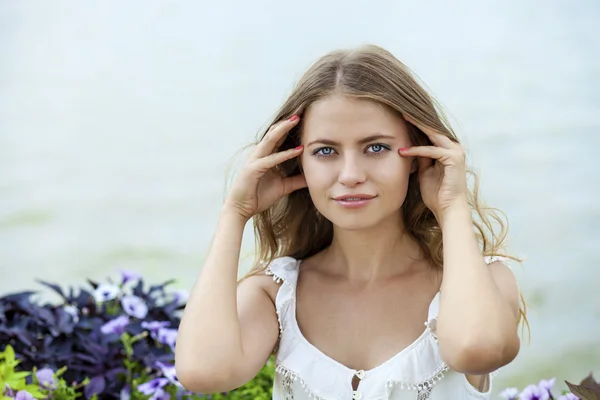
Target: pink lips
<point>354,200</point>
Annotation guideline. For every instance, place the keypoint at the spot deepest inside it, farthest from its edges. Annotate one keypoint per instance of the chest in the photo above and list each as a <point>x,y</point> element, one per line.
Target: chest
<point>362,327</point>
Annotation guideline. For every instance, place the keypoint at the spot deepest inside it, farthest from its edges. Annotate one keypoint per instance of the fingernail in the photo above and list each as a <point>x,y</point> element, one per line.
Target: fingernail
<point>298,147</point>
<point>403,149</point>
<point>293,118</point>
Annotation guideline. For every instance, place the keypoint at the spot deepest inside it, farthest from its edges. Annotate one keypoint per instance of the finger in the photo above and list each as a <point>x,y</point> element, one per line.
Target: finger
<point>436,137</point>
<point>262,165</point>
<point>281,141</point>
<point>269,142</point>
<point>284,137</point>
<point>293,183</point>
<point>435,152</point>
<point>275,125</point>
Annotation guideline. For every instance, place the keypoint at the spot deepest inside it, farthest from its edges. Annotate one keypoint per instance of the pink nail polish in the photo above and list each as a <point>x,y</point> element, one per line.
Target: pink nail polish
<point>298,147</point>
<point>293,118</point>
<point>403,148</point>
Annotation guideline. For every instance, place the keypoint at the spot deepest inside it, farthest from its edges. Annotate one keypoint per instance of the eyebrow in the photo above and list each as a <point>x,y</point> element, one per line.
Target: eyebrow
<point>361,141</point>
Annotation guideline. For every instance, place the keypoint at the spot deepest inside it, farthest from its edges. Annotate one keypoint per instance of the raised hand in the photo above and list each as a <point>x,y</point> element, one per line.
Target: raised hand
<point>259,185</point>
<point>442,171</point>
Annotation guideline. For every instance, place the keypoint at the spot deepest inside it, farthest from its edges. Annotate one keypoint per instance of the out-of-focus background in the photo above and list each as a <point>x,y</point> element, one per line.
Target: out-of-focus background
<point>118,122</point>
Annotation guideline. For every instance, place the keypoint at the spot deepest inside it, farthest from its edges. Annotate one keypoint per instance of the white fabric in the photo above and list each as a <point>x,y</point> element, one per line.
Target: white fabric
<point>304,372</point>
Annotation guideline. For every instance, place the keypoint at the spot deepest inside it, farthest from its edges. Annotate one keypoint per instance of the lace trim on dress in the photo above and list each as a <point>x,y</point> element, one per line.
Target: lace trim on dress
<point>423,389</point>
<point>289,377</point>
<point>428,384</point>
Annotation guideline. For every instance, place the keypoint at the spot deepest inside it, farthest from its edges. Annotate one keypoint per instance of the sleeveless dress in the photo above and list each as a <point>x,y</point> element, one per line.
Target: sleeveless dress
<point>304,372</point>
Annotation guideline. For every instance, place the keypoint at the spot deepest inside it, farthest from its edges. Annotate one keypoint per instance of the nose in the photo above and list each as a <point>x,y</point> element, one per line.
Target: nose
<point>352,172</point>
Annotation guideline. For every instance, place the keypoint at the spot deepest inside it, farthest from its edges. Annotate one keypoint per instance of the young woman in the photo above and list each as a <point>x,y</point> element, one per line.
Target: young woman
<point>379,274</point>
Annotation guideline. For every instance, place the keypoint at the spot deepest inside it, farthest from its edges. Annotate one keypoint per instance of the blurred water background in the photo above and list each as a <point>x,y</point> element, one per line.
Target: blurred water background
<point>118,122</point>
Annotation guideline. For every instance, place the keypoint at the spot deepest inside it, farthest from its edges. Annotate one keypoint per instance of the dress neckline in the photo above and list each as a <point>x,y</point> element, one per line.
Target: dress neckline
<point>426,333</point>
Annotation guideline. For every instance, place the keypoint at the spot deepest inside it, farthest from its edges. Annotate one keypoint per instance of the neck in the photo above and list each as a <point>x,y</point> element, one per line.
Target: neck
<point>373,254</point>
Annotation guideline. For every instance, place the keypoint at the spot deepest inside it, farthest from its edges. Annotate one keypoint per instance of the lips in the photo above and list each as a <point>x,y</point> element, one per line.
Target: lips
<point>354,197</point>
<point>354,201</point>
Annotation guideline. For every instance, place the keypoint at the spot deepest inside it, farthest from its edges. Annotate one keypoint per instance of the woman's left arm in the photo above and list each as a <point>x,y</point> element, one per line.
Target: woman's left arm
<point>479,304</point>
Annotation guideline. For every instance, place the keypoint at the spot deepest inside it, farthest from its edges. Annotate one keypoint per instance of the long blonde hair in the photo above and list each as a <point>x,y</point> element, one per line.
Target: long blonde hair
<point>293,227</point>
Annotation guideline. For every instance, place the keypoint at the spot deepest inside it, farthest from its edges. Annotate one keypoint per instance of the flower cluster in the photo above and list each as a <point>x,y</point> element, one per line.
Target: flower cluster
<point>588,389</point>
<point>115,340</point>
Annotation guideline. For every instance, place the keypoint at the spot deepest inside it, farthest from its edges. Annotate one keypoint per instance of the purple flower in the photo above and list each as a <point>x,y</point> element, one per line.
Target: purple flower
<point>134,306</point>
<point>127,275</point>
<point>152,386</point>
<point>181,296</point>
<point>125,393</point>
<point>45,377</point>
<point>547,385</point>
<point>116,325</point>
<point>8,391</point>
<point>24,395</point>
<point>510,393</point>
<point>168,337</point>
<point>534,392</point>
<point>160,394</point>
<point>105,292</point>
<point>154,327</point>
<point>568,396</point>
<point>72,311</point>
<point>168,372</point>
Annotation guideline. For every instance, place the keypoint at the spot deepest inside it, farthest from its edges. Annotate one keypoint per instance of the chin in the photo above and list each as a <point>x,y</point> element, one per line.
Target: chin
<point>357,222</point>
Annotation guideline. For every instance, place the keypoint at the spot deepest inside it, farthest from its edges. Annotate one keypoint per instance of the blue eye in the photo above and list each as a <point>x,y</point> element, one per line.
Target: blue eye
<point>378,148</point>
<point>323,152</point>
<point>375,149</point>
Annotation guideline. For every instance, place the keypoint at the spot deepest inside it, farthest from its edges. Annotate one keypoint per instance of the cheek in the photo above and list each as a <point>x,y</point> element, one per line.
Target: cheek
<point>314,173</point>
<point>394,174</point>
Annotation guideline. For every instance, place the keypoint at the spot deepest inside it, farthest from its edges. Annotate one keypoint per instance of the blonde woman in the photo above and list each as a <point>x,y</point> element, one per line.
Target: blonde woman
<point>378,275</point>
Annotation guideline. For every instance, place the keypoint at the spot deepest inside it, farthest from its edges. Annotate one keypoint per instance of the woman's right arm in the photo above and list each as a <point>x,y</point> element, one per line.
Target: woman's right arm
<point>220,345</point>
<point>228,331</point>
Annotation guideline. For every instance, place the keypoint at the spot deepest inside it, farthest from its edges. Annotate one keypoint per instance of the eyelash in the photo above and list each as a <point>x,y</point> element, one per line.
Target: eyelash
<point>385,148</point>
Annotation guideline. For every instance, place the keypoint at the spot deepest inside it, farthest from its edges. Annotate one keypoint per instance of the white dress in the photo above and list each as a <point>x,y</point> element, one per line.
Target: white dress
<point>304,372</point>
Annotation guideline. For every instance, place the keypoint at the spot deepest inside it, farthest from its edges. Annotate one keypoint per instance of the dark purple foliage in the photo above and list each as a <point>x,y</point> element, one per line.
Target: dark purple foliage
<point>47,335</point>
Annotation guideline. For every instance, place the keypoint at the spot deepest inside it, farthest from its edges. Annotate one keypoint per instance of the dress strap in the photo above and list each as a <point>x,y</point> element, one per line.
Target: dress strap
<point>491,259</point>
<point>434,307</point>
<point>284,270</point>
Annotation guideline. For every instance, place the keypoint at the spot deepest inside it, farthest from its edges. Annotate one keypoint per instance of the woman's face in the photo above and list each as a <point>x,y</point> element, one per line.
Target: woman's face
<point>355,176</point>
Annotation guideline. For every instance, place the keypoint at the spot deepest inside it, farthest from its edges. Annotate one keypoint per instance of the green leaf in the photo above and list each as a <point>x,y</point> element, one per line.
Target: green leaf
<point>36,392</point>
<point>19,375</point>
<point>127,344</point>
<point>8,354</point>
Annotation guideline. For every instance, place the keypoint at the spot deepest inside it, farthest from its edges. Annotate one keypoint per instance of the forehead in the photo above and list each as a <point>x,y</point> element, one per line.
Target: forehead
<point>340,117</point>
